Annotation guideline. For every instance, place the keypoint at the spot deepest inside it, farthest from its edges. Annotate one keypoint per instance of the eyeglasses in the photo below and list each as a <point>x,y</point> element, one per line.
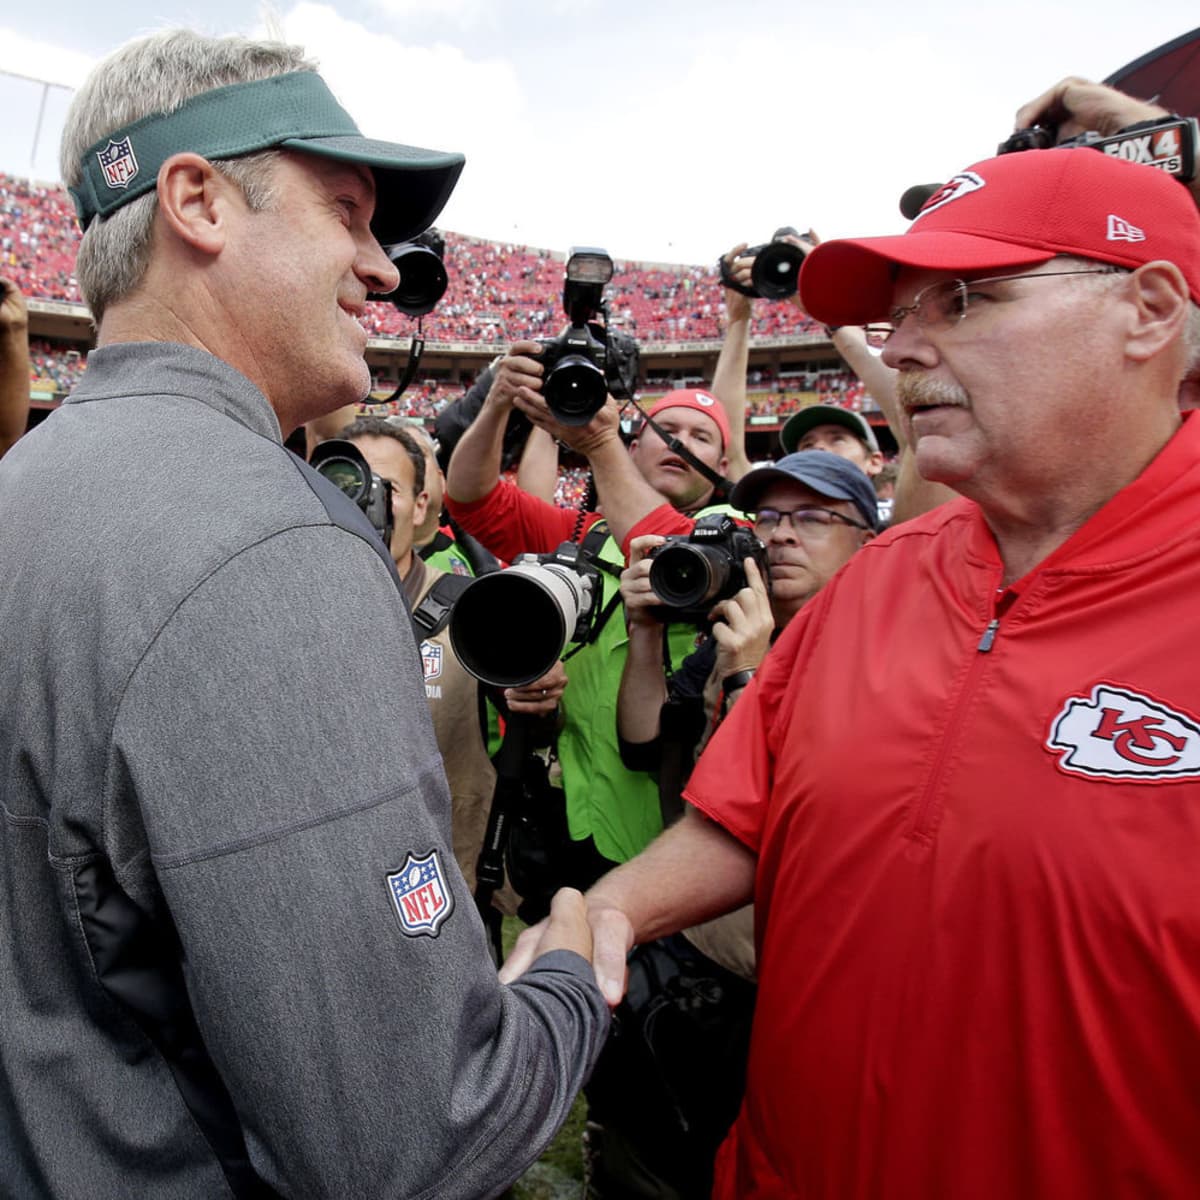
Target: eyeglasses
<point>943,305</point>
<point>807,522</point>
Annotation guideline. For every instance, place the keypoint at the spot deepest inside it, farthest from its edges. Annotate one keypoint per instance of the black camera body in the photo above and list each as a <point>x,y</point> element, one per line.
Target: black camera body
<point>776,270</point>
<point>588,359</point>
<point>423,278</point>
<point>1169,143</point>
<point>343,464</point>
<point>692,572</point>
<point>582,366</point>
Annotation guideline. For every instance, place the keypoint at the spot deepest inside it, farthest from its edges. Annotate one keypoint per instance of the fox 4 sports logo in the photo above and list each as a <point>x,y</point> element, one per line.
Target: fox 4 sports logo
<point>1118,734</point>
<point>1170,147</point>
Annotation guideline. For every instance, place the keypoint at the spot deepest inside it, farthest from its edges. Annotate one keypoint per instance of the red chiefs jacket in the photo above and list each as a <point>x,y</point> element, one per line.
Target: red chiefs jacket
<point>977,815</point>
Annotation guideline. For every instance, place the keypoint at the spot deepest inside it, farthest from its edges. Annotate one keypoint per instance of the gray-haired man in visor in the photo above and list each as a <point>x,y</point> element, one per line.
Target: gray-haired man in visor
<point>236,955</point>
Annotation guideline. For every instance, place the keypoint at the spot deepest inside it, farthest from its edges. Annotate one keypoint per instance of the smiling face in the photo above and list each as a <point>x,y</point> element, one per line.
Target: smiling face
<point>295,278</point>
<point>679,484</point>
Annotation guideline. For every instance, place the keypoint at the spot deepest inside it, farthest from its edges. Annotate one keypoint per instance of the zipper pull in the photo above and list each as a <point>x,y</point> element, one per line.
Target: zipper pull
<point>989,636</point>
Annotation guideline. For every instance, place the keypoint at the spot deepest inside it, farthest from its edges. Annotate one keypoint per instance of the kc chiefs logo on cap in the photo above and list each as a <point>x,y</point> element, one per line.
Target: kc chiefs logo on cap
<point>1117,734</point>
<point>960,185</point>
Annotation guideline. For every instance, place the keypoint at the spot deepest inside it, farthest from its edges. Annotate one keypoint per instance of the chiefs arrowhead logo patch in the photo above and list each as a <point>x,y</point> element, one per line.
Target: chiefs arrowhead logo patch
<point>1117,734</point>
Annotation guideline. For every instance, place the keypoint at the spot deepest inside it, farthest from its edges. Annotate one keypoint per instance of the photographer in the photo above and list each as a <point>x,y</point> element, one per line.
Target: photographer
<point>14,364</point>
<point>666,1087</point>
<point>612,812</point>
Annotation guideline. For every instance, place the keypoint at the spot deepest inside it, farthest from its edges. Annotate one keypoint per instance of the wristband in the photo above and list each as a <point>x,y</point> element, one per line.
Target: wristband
<point>736,681</point>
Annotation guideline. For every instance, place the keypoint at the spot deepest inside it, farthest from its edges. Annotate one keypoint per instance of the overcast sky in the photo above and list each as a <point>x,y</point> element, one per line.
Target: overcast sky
<point>658,129</point>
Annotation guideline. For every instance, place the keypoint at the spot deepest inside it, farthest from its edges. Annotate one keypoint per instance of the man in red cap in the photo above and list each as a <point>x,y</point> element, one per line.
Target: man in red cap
<point>611,812</point>
<point>964,788</point>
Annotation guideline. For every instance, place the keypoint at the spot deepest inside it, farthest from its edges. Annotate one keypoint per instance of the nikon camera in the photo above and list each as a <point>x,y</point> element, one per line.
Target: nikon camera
<point>587,360</point>
<point>692,572</point>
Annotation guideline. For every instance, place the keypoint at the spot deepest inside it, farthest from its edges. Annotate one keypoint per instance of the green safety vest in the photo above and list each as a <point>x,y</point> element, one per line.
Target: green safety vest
<point>618,808</point>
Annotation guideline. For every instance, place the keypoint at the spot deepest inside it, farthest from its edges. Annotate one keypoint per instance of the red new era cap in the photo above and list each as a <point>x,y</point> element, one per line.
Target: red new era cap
<point>1013,211</point>
<point>701,401</point>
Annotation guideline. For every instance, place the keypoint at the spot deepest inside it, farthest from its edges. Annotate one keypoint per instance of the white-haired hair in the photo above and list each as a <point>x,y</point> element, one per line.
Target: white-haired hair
<point>158,74</point>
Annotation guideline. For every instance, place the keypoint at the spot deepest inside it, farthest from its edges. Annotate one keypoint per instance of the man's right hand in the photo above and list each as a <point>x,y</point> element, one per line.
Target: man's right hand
<point>518,373</point>
<point>606,930</point>
<point>1075,105</point>
<point>637,595</point>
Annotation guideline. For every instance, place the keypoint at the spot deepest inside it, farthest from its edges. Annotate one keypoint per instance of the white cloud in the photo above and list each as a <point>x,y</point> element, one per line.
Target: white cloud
<point>41,60</point>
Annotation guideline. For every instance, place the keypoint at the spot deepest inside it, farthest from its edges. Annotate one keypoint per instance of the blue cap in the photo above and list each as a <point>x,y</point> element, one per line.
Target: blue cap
<point>825,473</point>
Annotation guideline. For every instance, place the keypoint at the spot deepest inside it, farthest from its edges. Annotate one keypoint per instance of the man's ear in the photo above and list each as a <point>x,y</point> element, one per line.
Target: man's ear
<point>191,199</point>
<point>420,508</point>
<point>1160,297</point>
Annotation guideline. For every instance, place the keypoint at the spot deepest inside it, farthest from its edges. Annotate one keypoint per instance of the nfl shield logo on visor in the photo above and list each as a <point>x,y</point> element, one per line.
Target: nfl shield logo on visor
<point>118,163</point>
<point>421,896</point>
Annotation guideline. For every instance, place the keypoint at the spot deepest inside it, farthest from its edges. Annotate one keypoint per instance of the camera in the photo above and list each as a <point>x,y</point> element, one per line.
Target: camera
<point>1168,143</point>
<point>423,279</point>
<point>775,271</point>
<point>343,464</point>
<point>510,627</point>
<point>692,572</point>
<point>588,359</point>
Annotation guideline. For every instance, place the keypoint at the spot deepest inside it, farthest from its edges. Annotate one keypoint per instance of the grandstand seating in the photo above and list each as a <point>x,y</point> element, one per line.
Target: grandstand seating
<point>498,293</point>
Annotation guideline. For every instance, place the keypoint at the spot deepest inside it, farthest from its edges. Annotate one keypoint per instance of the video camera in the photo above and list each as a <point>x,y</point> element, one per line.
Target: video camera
<point>1168,143</point>
<point>776,268</point>
<point>510,627</point>
<point>588,360</point>
<point>343,464</point>
<point>692,572</point>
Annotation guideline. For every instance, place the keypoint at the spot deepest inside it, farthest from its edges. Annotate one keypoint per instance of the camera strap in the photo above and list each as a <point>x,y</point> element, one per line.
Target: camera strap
<point>415,350</point>
<point>720,484</point>
<point>727,280</point>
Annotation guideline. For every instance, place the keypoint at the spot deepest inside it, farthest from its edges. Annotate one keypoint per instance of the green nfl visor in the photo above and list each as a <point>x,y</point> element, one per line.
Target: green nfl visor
<point>296,111</point>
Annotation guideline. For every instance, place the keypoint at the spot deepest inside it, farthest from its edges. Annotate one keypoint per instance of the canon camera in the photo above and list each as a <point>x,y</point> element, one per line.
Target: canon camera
<point>510,627</point>
<point>588,360</point>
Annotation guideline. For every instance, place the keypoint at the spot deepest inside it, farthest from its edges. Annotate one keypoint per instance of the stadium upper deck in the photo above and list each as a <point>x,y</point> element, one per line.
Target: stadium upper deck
<point>497,292</point>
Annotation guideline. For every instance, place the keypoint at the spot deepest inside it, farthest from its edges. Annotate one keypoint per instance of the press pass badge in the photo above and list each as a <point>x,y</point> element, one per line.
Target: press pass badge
<point>421,895</point>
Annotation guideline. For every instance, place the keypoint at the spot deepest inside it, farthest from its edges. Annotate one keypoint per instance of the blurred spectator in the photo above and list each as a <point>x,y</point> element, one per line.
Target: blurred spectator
<point>14,364</point>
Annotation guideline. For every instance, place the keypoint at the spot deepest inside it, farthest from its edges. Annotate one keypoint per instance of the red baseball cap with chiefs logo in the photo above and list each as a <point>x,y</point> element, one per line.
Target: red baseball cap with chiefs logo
<point>1014,211</point>
<point>701,401</point>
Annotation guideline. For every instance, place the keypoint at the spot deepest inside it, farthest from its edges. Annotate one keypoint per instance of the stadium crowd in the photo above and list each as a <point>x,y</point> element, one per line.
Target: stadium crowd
<point>496,292</point>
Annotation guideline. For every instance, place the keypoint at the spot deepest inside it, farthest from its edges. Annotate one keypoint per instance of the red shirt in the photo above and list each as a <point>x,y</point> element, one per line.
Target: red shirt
<point>509,521</point>
<point>978,886</point>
